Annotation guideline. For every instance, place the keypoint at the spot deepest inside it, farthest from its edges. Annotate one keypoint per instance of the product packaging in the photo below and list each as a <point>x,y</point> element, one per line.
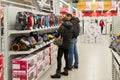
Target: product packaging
<point>24,64</point>
<point>1,67</point>
<point>40,68</point>
<point>46,52</point>
<point>46,64</point>
<point>22,75</point>
<point>40,56</point>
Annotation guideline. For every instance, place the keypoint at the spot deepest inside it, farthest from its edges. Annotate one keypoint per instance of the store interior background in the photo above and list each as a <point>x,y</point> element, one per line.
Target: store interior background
<point>84,43</point>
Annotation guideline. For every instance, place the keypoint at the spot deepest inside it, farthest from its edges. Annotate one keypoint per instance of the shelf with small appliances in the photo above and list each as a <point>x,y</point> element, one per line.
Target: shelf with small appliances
<point>41,30</point>
<point>115,65</point>
<point>10,33</point>
<point>31,50</point>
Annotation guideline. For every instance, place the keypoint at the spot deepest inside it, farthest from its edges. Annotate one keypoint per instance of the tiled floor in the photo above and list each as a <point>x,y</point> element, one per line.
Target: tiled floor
<point>94,63</point>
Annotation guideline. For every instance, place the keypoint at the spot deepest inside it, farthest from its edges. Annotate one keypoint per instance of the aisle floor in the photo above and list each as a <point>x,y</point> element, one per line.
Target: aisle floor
<point>94,63</point>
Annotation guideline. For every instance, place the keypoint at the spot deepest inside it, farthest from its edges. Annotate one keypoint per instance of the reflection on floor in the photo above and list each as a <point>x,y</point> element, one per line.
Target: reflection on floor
<point>94,63</point>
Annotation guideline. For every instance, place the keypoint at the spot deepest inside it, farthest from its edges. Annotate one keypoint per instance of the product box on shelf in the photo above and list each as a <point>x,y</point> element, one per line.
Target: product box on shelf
<point>1,67</point>
<point>53,57</point>
<point>40,68</point>
<point>46,52</point>
<point>40,56</point>
<point>1,72</point>
<point>53,47</point>
<point>22,75</point>
<point>1,59</point>
<point>46,63</point>
<point>25,63</point>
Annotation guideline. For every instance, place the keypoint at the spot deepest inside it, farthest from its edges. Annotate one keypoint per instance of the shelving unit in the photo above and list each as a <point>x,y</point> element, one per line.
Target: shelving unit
<point>31,50</point>
<point>1,38</point>
<point>115,25</point>
<point>50,29</point>
<point>9,31</point>
<point>115,65</point>
<point>115,55</point>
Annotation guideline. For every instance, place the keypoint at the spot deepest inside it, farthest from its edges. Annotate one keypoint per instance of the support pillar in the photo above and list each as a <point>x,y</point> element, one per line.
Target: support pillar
<point>70,9</point>
<point>56,7</point>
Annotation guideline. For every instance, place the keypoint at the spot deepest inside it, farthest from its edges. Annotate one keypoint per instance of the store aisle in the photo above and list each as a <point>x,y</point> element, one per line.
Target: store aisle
<point>95,63</point>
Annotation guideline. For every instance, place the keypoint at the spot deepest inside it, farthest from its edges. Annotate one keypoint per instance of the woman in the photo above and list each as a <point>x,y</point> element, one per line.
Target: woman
<point>101,24</point>
<point>65,31</point>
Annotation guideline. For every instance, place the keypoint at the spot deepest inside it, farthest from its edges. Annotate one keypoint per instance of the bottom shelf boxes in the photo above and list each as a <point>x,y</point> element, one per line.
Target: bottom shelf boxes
<point>1,67</point>
<point>26,63</point>
<point>22,75</point>
<point>1,73</point>
<point>40,68</point>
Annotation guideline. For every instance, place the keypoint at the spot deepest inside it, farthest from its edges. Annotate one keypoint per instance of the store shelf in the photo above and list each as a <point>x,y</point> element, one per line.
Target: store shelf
<point>49,29</point>
<point>11,2</point>
<point>31,50</point>
<point>117,56</point>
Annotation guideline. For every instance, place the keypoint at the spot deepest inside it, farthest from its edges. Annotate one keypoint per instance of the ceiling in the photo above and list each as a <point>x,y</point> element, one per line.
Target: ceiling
<point>29,2</point>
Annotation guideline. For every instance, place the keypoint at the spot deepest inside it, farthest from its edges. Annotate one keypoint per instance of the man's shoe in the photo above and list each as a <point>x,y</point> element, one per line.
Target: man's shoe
<point>70,69</point>
<point>76,67</point>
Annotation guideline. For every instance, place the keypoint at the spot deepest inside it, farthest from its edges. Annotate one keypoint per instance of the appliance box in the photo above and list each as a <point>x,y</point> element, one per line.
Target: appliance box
<point>39,56</point>
<point>22,75</point>
<point>40,68</point>
<point>46,52</point>
<point>24,64</point>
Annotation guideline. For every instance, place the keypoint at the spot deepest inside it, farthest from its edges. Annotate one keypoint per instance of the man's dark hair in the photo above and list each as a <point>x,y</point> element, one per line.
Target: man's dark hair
<point>68,14</point>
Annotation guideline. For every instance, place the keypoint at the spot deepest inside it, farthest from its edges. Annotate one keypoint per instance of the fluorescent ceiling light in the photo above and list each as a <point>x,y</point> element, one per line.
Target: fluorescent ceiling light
<point>64,2</point>
<point>74,8</point>
<point>61,4</point>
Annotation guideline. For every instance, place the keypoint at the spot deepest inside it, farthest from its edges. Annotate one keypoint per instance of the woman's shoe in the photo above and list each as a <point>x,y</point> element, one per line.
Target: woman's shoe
<point>65,73</point>
<point>57,75</point>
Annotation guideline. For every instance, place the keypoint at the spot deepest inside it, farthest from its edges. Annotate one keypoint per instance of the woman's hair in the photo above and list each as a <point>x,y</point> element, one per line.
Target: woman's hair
<point>68,14</point>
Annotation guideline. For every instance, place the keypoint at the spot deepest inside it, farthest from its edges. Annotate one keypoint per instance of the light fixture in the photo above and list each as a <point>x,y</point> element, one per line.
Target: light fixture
<point>64,2</point>
<point>94,0</point>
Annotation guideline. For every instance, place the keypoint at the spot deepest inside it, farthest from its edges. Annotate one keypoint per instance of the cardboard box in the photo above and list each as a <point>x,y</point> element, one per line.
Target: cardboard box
<point>53,58</point>
<point>53,48</point>
<point>40,68</point>
<point>22,75</point>
<point>24,63</point>
<point>46,52</point>
<point>46,63</point>
<point>1,67</point>
<point>1,72</point>
<point>40,56</point>
<point>1,59</point>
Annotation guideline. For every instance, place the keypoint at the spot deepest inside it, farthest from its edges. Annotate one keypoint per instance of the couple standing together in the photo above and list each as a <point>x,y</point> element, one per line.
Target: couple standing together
<point>70,30</point>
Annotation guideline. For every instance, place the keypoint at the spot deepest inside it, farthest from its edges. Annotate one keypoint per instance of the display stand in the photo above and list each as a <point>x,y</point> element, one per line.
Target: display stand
<point>115,55</point>
<point>9,33</point>
<point>115,65</point>
<point>115,25</point>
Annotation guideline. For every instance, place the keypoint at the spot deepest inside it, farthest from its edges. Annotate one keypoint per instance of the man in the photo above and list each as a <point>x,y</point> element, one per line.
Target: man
<point>66,31</point>
<point>73,50</point>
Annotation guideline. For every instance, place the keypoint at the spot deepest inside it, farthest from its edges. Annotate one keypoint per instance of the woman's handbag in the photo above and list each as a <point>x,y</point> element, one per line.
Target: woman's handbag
<point>59,41</point>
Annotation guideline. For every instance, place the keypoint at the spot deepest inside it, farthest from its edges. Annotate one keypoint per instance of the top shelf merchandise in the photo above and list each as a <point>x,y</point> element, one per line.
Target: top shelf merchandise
<point>43,24</point>
<point>22,22</point>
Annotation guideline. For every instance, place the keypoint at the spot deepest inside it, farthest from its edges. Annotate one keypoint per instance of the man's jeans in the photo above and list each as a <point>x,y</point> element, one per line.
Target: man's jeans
<point>73,53</point>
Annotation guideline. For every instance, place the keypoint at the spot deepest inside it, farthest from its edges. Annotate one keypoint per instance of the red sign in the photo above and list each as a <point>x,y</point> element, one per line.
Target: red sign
<point>63,9</point>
